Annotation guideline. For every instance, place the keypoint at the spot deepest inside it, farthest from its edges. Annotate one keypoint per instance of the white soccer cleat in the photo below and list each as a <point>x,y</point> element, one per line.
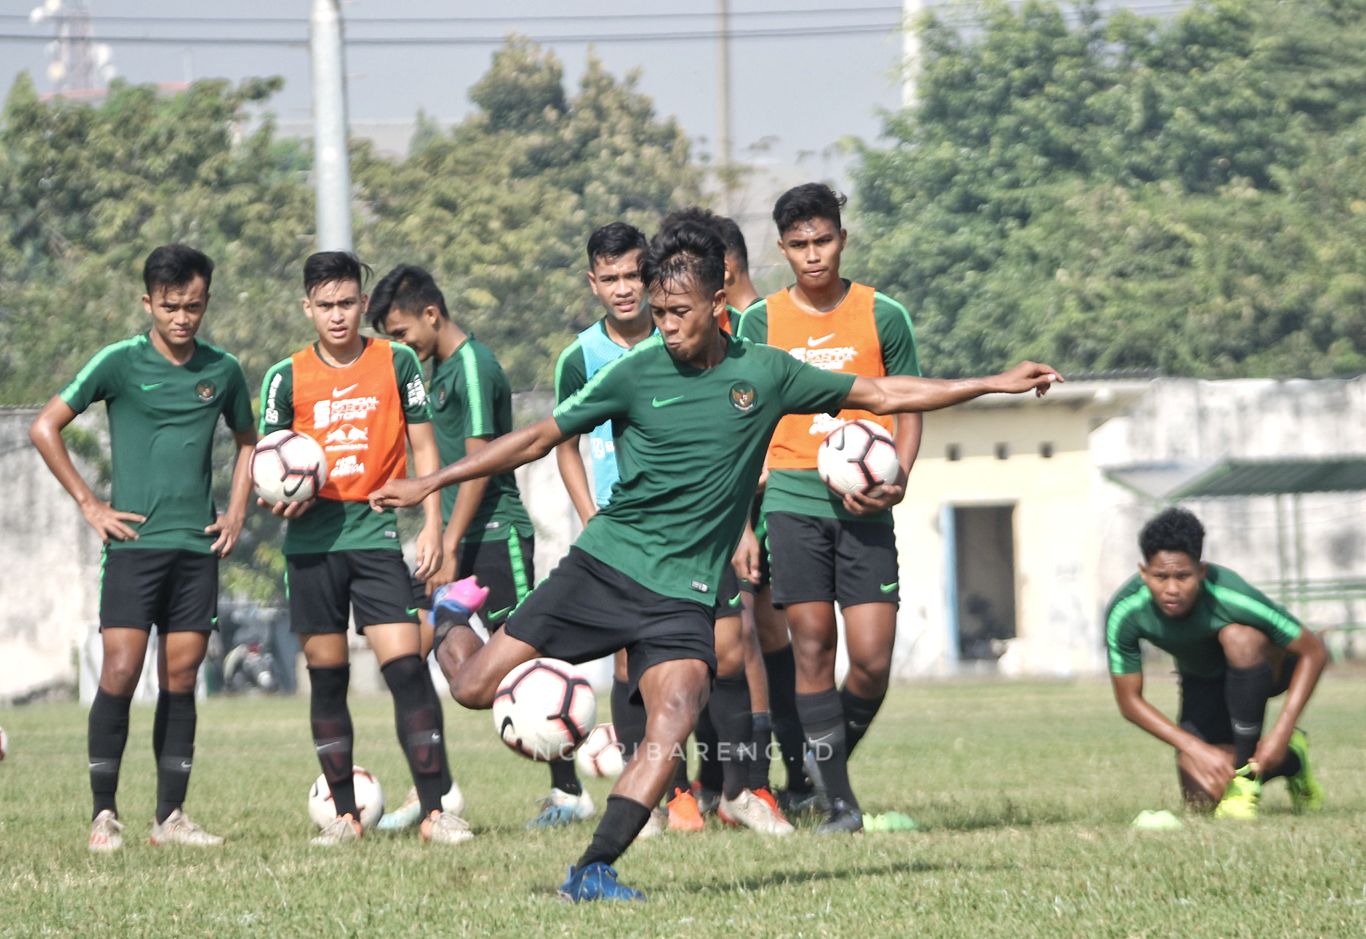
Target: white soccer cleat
<point>750,811</point>
<point>560,808</point>
<point>656,824</point>
<point>446,828</point>
<point>179,828</point>
<point>341,830</point>
<point>106,833</point>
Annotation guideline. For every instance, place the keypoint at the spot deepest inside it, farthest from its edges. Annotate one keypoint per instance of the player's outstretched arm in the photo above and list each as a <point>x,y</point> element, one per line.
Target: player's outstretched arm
<point>1209,766</point>
<point>895,394</point>
<point>228,526</point>
<point>501,456</point>
<point>1313,657</point>
<point>46,435</point>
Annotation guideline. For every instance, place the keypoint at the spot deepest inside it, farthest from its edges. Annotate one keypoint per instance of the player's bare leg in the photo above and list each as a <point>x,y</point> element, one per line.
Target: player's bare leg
<point>870,636</point>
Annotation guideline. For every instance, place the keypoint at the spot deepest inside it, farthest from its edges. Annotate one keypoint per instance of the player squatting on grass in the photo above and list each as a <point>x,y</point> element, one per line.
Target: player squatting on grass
<point>164,391</point>
<point>1234,649</point>
<point>695,410</point>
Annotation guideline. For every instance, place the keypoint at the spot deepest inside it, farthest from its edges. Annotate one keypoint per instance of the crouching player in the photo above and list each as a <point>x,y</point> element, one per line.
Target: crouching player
<point>694,410</point>
<point>363,400</point>
<point>1234,649</point>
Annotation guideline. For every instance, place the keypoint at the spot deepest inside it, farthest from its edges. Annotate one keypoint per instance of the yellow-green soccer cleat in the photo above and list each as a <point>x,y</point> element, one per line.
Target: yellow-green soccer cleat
<point>1240,798</point>
<point>1306,793</point>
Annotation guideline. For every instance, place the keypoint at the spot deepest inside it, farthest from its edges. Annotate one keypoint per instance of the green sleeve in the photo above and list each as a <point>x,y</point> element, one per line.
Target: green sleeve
<point>101,378</point>
<point>571,373</point>
<point>237,409</point>
<point>896,335</point>
<point>805,388</point>
<point>607,395</point>
<point>481,373</point>
<point>277,397</point>
<point>412,391</point>
<point>1247,605</point>
<point>754,323</point>
<point>1121,637</point>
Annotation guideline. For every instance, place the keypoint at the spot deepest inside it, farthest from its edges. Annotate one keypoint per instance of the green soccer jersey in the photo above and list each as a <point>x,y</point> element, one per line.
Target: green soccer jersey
<point>690,445</point>
<point>470,397</point>
<point>1193,639</point>
<point>800,491</point>
<point>333,525</point>
<point>161,423</point>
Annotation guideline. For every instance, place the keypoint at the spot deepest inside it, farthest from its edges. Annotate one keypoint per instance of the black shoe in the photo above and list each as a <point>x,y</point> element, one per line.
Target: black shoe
<point>798,804</point>
<point>843,819</point>
<point>813,774</point>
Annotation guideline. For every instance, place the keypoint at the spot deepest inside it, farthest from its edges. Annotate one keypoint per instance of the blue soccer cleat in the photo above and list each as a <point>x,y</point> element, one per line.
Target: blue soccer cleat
<point>597,881</point>
<point>460,599</point>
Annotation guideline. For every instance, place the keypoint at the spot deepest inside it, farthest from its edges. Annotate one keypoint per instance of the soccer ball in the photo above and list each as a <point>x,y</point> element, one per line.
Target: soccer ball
<point>856,456</point>
<point>288,467</point>
<point>600,753</point>
<point>4,743</point>
<point>369,799</point>
<point>544,708</point>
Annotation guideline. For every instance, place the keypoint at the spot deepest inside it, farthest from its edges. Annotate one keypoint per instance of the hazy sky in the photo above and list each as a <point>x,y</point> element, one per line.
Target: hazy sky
<point>805,73</point>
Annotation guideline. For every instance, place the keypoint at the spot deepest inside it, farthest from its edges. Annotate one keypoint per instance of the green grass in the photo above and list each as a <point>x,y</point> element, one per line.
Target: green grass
<point>1025,792</point>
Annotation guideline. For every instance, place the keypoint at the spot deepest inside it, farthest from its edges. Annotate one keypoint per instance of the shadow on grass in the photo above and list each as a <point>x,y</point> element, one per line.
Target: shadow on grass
<point>808,875</point>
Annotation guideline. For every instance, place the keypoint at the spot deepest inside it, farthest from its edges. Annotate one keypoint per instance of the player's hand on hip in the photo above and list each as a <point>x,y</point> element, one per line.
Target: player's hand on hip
<point>745,561</point>
<point>109,522</point>
<point>878,499</point>
<point>228,529</point>
<point>287,509</point>
<point>398,494</point>
<point>1028,376</point>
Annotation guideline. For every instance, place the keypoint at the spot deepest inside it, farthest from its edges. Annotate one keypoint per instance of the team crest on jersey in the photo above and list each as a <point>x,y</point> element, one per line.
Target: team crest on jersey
<point>206,390</point>
<point>743,397</point>
<point>441,397</point>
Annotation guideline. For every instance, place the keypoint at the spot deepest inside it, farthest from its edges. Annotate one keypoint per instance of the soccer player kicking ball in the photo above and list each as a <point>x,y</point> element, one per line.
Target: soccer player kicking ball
<point>694,409</point>
<point>364,402</point>
<point>1234,649</point>
<point>826,549</point>
<point>488,534</point>
<point>164,391</point>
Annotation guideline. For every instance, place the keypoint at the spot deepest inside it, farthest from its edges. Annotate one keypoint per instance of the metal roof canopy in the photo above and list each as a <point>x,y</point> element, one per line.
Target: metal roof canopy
<point>1232,477</point>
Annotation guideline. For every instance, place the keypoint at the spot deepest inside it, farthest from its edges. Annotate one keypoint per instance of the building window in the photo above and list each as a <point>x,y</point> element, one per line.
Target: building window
<point>1003,451</point>
<point>953,453</point>
<point>1046,450</point>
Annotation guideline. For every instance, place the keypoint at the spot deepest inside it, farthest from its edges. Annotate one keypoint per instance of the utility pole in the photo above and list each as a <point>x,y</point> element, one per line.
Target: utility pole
<point>911,11</point>
<point>723,148</point>
<point>331,160</point>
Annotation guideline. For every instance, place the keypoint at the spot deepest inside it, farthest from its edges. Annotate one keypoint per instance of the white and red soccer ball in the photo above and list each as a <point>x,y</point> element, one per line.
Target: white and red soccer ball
<point>544,709</point>
<point>288,466</point>
<point>600,754</point>
<point>856,456</point>
<point>4,743</point>
<point>369,799</point>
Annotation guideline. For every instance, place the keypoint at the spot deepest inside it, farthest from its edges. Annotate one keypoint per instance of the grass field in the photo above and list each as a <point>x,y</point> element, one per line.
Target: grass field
<point>1025,792</point>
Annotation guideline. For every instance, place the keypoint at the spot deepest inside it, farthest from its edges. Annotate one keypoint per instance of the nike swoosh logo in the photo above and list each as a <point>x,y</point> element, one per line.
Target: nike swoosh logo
<point>888,588</point>
<point>733,601</point>
<point>820,341</point>
<point>499,614</point>
<point>185,764</point>
<point>665,402</point>
<point>412,611</point>
<point>1246,729</point>
<point>338,392</point>
<point>330,746</point>
<point>152,386</point>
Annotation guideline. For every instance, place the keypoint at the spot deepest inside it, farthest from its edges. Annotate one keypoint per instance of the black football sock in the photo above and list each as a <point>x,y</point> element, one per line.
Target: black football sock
<point>564,777</point>
<point>761,738</point>
<point>177,753</point>
<point>1289,767</point>
<point>107,735</point>
<point>622,820</point>
<point>710,759</point>
<point>1245,692</point>
<point>823,721</point>
<point>416,716</point>
<point>159,724</point>
<point>680,780</point>
<point>628,717</point>
<point>858,714</point>
<point>447,780</point>
<point>787,726</point>
<point>332,735</point>
<point>729,710</point>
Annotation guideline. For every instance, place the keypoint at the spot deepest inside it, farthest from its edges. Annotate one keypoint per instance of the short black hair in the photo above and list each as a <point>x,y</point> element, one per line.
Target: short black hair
<point>725,229</point>
<point>325,267</point>
<point>809,200</point>
<point>408,288</point>
<point>175,266</point>
<point>687,249</point>
<point>614,240</point>
<point>1172,530</point>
